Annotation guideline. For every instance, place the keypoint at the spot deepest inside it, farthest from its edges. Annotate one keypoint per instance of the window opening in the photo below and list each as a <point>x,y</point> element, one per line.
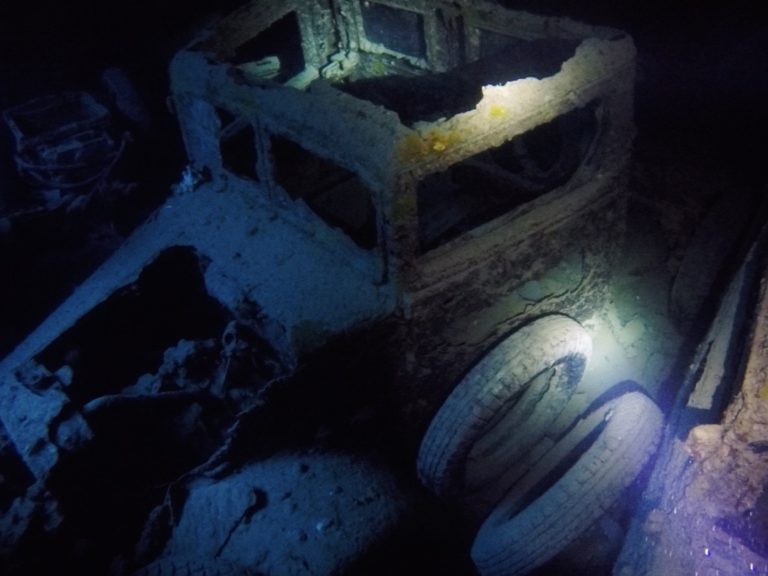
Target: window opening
<point>334,193</point>
<point>517,58</point>
<point>495,181</point>
<point>282,40</point>
<point>429,97</point>
<point>394,28</point>
<point>237,142</point>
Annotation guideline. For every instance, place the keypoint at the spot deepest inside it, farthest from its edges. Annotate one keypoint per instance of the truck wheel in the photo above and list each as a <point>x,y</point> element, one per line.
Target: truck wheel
<point>547,510</point>
<point>529,376</point>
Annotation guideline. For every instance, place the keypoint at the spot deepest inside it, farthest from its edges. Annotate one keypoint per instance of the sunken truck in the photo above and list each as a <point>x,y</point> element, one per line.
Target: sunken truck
<point>432,192</point>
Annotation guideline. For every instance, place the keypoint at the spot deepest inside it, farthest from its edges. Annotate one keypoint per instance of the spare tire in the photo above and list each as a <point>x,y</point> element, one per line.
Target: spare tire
<point>530,375</point>
<point>546,511</point>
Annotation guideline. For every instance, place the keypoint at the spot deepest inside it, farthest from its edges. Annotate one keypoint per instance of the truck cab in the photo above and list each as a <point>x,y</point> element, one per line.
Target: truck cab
<point>458,165</point>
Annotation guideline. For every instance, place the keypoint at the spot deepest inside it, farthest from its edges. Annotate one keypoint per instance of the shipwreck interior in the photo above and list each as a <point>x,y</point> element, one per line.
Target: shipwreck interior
<point>359,287</point>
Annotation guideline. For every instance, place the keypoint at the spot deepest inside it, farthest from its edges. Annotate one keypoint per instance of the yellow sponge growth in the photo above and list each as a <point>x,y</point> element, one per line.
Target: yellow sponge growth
<point>497,112</point>
<point>417,146</point>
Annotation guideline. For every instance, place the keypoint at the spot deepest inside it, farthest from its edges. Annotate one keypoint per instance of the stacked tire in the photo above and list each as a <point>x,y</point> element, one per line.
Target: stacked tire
<point>500,446</point>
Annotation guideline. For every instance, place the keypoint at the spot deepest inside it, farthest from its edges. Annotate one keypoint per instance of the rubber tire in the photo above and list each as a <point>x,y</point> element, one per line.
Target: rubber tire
<point>511,543</point>
<point>490,389</point>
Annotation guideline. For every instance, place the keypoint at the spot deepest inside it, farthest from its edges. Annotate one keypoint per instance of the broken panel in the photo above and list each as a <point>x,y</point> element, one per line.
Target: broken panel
<point>126,336</point>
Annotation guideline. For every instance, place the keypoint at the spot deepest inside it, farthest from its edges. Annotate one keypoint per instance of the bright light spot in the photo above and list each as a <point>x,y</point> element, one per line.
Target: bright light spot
<point>608,364</point>
<point>706,550</point>
<point>497,111</point>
